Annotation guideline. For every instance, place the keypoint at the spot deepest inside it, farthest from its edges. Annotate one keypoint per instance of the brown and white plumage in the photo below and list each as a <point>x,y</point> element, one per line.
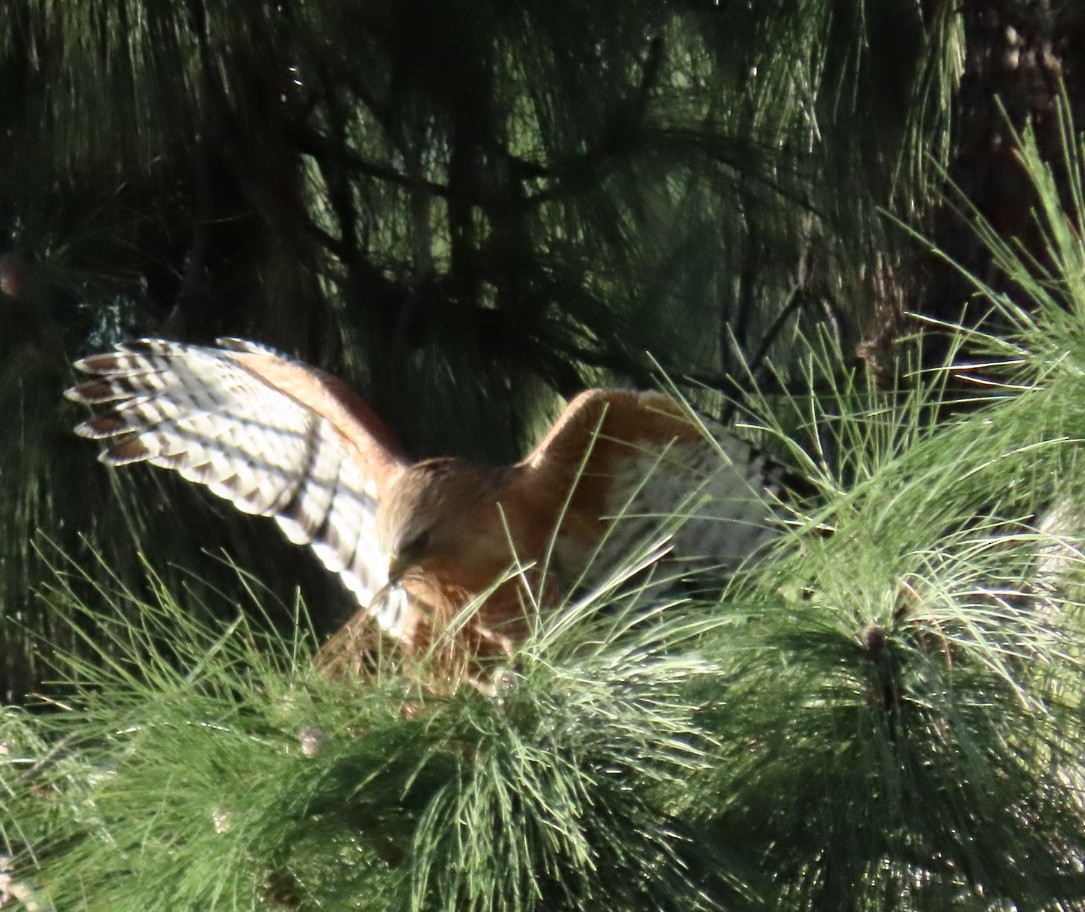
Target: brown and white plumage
<point>279,438</point>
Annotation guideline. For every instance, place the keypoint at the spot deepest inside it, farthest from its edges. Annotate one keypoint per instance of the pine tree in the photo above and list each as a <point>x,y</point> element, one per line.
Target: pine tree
<point>470,210</point>
<point>465,211</point>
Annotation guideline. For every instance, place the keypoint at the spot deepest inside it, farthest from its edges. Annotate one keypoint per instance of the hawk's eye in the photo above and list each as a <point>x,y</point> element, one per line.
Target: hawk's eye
<point>417,545</point>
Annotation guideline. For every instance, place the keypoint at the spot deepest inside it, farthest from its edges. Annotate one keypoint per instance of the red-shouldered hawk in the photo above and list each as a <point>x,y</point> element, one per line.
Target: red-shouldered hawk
<point>415,542</point>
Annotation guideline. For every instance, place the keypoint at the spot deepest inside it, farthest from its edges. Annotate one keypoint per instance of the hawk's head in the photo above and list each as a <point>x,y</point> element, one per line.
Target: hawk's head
<point>441,515</point>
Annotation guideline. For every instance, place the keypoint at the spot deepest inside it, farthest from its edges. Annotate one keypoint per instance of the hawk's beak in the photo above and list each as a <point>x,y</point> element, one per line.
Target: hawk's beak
<point>405,559</point>
<point>397,567</point>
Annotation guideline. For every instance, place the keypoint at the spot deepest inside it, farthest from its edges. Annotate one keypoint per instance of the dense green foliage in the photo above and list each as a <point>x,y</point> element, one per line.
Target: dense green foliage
<point>471,210</point>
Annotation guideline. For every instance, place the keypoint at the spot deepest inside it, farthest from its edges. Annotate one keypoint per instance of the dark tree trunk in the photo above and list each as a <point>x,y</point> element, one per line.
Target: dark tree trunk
<point>1017,51</point>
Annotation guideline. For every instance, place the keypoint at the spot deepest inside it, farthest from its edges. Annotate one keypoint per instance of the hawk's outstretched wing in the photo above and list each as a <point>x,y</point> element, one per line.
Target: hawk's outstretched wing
<point>272,435</point>
<point>634,465</point>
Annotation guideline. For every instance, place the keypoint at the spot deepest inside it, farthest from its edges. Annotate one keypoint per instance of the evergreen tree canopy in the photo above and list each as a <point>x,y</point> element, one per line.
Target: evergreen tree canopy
<point>465,209</point>
<point>826,217</point>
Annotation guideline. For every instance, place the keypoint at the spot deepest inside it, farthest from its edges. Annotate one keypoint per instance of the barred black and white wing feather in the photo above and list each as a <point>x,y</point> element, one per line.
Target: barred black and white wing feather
<point>272,435</point>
